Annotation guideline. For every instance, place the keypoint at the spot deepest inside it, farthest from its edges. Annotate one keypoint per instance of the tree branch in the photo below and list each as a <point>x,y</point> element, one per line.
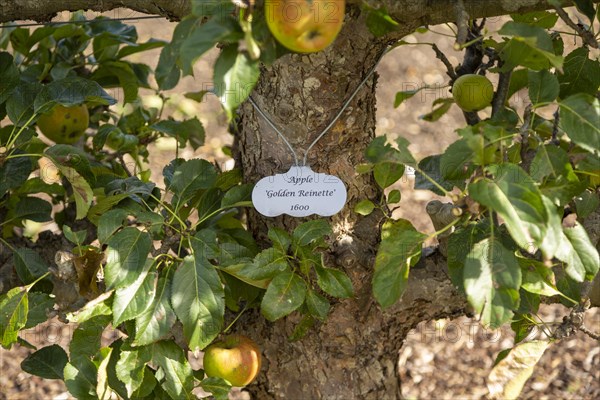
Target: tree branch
<point>413,13</point>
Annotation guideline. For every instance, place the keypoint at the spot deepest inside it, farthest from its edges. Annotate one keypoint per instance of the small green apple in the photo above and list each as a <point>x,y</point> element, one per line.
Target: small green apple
<point>305,26</point>
<point>64,125</point>
<point>235,358</point>
<point>472,92</point>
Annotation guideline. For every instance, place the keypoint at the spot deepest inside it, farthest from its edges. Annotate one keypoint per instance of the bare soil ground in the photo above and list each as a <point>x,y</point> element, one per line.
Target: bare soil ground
<point>441,359</point>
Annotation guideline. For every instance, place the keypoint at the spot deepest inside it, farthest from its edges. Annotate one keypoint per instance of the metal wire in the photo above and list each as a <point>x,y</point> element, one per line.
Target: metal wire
<point>333,121</point>
<point>89,21</point>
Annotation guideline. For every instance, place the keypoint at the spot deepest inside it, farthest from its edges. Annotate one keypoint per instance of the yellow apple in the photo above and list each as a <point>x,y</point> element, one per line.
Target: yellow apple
<point>64,125</point>
<point>235,358</point>
<point>472,92</point>
<point>305,26</point>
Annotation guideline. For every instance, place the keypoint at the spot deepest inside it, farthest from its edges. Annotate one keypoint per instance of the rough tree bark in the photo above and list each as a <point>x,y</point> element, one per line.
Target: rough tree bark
<point>354,354</point>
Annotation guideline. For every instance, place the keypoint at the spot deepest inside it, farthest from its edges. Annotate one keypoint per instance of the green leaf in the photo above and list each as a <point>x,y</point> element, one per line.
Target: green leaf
<point>179,378</point>
<point>394,196</point>
<point>14,173</point>
<point>580,119</point>
<point>189,131</point>
<point>167,72</point>
<point>457,161</point>
<point>9,76</point>
<point>587,8</point>
<point>33,209</point>
<point>14,307</point>
<point>266,264</point>
<point>581,74</point>
<point>48,362</point>
<point>126,256</point>
<point>285,294</point>
<point>530,46</point>
<point>131,366</point>
<point>318,306</point>
<point>543,19</point>
<point>578,252</point>
<point>156,321</point>
<point>440,107</point>
<point>387,173</point>
<point>379,151</point>
<point>404,95</point>
<point>131,301</point>
<point>431,166</point>
<point>71,91</point>
<point>280,239</point>
<point>460,243</point>
<point>101,305</point>
<point>76,238</point>
<point>140,47</point>
<point>110,223</point>
<point>82,192</point>
<point>235,75</point>
<point>81,379</point>
<point>118,74</point>
<point>507,378</point>
<point>86,338</point>
<point>543,86</point>
<point>379,21</point>
<point>204,37</point>
<point>513,195</point>
<point>39,304</point>
<point>364,207</point>
<point>308,232</point>
<point>189,177</point>
<point>586,203</point>
<point>198,300</point>
<point>334,282</point>
<point>400,248</point>
<point>492,278</point>
<point>217,386</point>
<point>19,106</point>
<point>29,265</point>
<point>537,278</point>
<point>237,195</point>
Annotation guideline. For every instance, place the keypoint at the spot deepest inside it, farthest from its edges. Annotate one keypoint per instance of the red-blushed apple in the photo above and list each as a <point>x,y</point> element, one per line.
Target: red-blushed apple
<point>305,26</point>
<point>235,358</point>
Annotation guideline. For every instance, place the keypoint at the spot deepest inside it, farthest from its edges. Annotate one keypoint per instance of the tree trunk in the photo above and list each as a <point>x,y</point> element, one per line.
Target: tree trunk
<point>355,352</point>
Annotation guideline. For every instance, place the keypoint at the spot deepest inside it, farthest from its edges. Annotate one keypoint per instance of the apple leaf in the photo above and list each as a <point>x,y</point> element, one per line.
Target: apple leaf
<point>334,282</point>
<point>399,249</point>
<point>156,321</point>
<point>131,301</point>
<point>172,361</point>
<point>235,76</point>
<point>580,119</point>
<point>285,293</point>
<point>14,307</point>
<point>217,386</point>
<point>126,256</point>
<point>492,278</point>
<point>508,376</point>
<point>48,362</point>
<point>197,297</point>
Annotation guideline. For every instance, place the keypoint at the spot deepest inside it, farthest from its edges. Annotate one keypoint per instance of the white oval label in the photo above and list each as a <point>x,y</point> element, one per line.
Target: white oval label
<point>300,192</point>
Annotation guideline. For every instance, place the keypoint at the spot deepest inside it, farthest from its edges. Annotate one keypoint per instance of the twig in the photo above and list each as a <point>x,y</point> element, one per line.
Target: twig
<point>501,92</point>
<point>586,36</point>
<point>462,23</point>
<point>526,157</point>
<point>442,57</point>
<point>589,333</point>
<point>555,127</point>
<point>124,164</point>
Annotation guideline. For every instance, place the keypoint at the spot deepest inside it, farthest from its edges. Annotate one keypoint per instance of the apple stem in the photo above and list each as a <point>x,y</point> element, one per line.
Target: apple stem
<point>235,319</point>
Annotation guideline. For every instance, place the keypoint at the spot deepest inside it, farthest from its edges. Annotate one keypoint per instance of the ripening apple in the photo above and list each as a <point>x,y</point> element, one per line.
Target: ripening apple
<point>305,26</point>
<point>472,92</point>
<point>64,125</point>
<point>235,358</point>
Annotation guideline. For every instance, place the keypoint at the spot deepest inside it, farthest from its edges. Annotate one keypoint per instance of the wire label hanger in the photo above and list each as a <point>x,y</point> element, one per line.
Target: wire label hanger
<point>301,192</point>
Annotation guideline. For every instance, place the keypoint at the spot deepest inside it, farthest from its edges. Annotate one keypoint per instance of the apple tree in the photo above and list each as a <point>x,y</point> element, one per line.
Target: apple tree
<point>173,266</point>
